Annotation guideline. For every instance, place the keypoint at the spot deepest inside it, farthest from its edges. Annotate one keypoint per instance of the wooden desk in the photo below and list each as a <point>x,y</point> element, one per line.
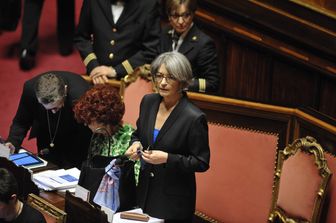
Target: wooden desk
<point>55,198</point>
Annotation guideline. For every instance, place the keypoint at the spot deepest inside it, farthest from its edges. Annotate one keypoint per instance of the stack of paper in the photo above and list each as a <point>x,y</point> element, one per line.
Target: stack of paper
<point>57,179</point>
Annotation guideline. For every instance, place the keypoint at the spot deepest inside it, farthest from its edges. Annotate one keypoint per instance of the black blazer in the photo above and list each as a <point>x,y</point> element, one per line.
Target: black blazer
<point>72,139</point>
<point>200,50</point>
<point>168,190</point>
<point>131,42</point>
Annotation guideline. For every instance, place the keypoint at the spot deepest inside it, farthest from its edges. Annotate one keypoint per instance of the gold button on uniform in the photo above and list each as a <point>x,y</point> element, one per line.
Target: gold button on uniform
<point>112,42</point>
<point>114,30</point>
<point>111,56</point>
<point>151,174</point>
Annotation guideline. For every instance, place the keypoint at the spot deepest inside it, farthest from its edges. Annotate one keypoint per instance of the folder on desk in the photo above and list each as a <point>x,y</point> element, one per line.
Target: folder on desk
<point>57,179</point>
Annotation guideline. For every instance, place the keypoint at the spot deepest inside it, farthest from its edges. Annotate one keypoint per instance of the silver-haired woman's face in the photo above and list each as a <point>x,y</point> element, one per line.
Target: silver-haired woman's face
<point>166,84</point>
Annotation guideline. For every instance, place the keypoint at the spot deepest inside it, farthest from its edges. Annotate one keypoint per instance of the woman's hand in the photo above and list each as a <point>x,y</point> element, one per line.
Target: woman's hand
<point>133,151</point>
<point>154,156</point>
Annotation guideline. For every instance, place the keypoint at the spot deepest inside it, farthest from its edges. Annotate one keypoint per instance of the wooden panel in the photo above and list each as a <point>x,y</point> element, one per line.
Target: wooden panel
<point>252,39</point>
<point>221,47</point>
<point>327,97</point>
<point>328,6</point>
<point>279,22</point>
<point>247,73</point>
<point>293,86</point>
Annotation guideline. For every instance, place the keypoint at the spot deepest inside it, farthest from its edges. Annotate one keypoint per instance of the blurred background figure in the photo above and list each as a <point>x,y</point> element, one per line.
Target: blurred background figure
<point>45,109</point>
<point>184,36</point>
<point>11,208</point>
<point>115,37</point>
<point>174,135</point>
<point>30,26</point>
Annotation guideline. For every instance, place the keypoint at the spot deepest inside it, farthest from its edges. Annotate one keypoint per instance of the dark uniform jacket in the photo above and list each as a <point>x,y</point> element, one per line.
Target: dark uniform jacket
<point>200,50</point>
<point>71,140</point>
<point>28,215</point>
<point>168,190</point>
<point>129,43</point>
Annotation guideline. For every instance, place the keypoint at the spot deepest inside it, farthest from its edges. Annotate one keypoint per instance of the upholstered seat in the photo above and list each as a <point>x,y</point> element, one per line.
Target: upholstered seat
<point>300,182</point>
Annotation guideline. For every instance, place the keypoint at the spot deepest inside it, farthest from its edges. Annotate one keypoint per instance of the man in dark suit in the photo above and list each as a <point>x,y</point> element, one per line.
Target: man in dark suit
<point>185,37</point>
<point>30,26</point>
<point>115,37</point>
<point>45,109</point>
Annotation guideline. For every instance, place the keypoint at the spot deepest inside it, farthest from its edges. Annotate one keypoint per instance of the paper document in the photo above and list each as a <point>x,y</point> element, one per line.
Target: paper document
<point>57,179</point>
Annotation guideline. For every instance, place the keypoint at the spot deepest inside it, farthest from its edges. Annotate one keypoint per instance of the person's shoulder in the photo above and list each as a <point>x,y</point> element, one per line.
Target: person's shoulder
<point>32,215</point>
<point>193,110</point>
<point>200,35</point>
<point>151,97</point>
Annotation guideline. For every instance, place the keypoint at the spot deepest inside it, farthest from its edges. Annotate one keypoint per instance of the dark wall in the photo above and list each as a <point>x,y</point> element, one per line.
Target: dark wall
<point>268,54</point>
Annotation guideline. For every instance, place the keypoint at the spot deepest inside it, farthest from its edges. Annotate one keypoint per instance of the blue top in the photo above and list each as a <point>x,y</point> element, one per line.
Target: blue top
<point>155,134</point>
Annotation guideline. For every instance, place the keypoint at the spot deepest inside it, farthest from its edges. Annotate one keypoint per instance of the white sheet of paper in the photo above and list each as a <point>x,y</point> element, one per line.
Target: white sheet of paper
<point>4,151</point>
<point>82,193</point>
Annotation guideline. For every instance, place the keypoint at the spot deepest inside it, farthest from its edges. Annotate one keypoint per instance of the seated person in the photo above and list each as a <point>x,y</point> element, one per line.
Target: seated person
<point>185,37</point>
<point>101,109</point>
<point>11,208</point>
<point>45,109</point>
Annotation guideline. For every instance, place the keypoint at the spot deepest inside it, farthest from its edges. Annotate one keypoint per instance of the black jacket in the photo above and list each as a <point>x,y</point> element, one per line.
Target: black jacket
<point>131,42</point>
<point>200,50</point>
<point>72,139</point>
<point>168,190</point>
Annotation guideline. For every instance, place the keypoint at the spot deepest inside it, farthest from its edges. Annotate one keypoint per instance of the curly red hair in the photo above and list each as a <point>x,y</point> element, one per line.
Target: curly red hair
<point>102,103</point>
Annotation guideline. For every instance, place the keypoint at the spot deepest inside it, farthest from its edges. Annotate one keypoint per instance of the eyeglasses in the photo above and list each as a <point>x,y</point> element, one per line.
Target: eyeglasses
<point>158,77</point>
<point>185,16</point>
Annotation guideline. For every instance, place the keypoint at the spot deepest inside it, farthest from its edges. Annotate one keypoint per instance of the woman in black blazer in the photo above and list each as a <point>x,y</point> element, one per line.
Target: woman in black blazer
<point>174,136</point>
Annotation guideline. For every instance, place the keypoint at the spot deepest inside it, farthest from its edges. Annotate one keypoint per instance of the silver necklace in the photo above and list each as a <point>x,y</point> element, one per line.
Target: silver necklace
<point>52,138</point>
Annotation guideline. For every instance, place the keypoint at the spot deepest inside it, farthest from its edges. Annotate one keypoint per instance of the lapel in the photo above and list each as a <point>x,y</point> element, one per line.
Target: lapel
<point>178,110</point>
<point>129,9</point>
<point>105,5</point>
<point>189,41</point>
<point>152,111</point>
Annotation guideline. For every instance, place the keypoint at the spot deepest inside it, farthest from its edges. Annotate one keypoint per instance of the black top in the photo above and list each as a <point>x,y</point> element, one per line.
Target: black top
<point>27,215</point>
<point>71,140</point>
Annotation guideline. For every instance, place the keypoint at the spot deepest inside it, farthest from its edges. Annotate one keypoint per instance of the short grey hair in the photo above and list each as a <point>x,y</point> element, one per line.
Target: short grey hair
<point>50,88</point>
<point>177,65</point>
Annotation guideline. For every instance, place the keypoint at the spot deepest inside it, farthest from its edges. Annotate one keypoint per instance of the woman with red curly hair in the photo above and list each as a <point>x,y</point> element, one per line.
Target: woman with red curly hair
<point>101,109</point>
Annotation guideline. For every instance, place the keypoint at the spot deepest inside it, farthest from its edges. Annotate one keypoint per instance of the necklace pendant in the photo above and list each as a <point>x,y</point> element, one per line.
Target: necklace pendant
<point>52,145</point>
